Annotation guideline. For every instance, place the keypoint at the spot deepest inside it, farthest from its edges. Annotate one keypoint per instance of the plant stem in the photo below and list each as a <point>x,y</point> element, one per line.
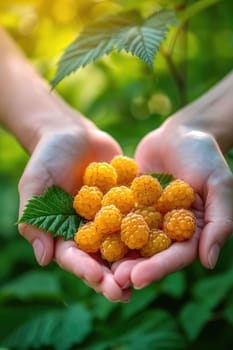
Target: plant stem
<point>179,70</point>
<point>176,74</point>
<point>183,43</point>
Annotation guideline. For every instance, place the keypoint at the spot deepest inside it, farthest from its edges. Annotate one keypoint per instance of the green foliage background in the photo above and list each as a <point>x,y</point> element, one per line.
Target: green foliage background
<point>49,308</point>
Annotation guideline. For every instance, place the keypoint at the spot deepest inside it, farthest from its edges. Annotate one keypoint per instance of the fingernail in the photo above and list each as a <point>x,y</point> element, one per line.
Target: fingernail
<point>39,251</point>
<point>143,285</point>
<point>126,285</point>
<point>110,299</point>
<point>126,296</point>
<point>213,255</point>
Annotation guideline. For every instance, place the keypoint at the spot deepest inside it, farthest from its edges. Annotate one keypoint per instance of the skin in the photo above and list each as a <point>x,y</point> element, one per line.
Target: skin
<point>191,145</point>
<point>61,142</point>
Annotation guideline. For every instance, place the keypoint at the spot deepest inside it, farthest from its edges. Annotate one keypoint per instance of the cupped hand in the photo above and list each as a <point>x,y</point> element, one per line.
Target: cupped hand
<point>195,157</point>
<point>60,158</point>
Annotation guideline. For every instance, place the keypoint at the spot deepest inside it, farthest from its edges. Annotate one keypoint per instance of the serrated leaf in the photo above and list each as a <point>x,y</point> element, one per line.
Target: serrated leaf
<point>213,289</point>
<point>31,285</point>
<point>155,327</point>
<point>127,31</point>
<point>101,307</point>
<point>163,178</point>
<point>228,312</point>
<point>174,285</point>
<point>52,212</point>
<point>140,300</point>
<point>60,329</point>
<point>15,314</point>
<point>194,316</point>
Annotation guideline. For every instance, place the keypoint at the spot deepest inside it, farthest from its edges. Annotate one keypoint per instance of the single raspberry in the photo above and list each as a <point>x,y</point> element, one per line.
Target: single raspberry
<point>146,189</point>
<point>121,197</point>
<point>101,175</point>
<point>134,231</point>
<point>108,220</point>
<point>177,195</point>
<point>126,169</point>
<point>112,248</point>
<point>88,201</point>
<point>87,238</point>
<point>152,217</point>
<point>158,241</point>
<point>179,224</point>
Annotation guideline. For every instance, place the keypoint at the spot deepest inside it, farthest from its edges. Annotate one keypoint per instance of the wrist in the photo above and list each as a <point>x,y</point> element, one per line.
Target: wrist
<point>211,113</point>
<point>28,109</point>
<point>38,111</point>
<point>58,119</point>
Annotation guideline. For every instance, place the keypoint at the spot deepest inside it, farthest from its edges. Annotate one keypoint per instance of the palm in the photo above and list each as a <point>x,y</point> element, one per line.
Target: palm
<point>60,159</point>
<point>195,159</point>
<point>64,156</point>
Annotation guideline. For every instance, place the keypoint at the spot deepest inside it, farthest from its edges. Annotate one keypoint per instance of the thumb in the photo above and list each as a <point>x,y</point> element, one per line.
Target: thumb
<point>147,153</point>
<point>31,184</point>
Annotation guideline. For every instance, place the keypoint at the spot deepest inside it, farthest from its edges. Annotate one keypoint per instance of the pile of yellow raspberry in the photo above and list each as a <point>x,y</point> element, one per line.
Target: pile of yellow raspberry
<point>125,211</point>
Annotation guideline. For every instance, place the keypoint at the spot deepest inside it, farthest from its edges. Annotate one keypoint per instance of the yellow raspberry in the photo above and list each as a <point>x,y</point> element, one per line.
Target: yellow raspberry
<point>87,238</point>
<point>152,217</point>
<point>112,248</point>
<point>101,175</point>
<point>179,224</point>
<point>108,220</point>
<point>126,169</point>
<point>134,231</point>
<point>158,241</point>
<point>146,189</point>
<point>88,201</point>
<point>121,197</point>
<point>177,195</point>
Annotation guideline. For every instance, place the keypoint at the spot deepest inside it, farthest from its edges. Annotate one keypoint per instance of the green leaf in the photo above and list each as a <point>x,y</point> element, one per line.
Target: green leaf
<point>139,301</point>
<point>195,8</point>
<point>174,285</point>
<point>153,327</point>
<point>228,312</point>
<point>163,178</point>
<point>127,31</point>
<point>194,317</point>
<point>150,329</point>
<point>212,290</point>
<point>13,254</point>
<point>52,212</point>
<point>60,329</point>
<point>15,314</point>
<point>101,307</point>
<point>31,285</point>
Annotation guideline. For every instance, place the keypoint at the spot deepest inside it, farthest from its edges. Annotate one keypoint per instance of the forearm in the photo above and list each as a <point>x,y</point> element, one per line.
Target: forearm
<point>212,113</point>
<point>27,106</point>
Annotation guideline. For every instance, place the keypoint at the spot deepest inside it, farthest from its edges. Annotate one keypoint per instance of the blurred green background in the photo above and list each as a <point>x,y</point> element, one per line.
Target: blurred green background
<point>49,308</point>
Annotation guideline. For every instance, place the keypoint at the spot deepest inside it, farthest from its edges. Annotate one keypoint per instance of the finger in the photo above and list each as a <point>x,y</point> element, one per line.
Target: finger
<point>74,260</point>
<point>42,242</point>
<point>218,216</point>
<point>109,287</point>
<point>112,295</point>
<point>105,146</point>
<point>177,256</point>
<point>122,269</point>
<point>146,154</point>
<point>126,295</point>
<point>96,275</point>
